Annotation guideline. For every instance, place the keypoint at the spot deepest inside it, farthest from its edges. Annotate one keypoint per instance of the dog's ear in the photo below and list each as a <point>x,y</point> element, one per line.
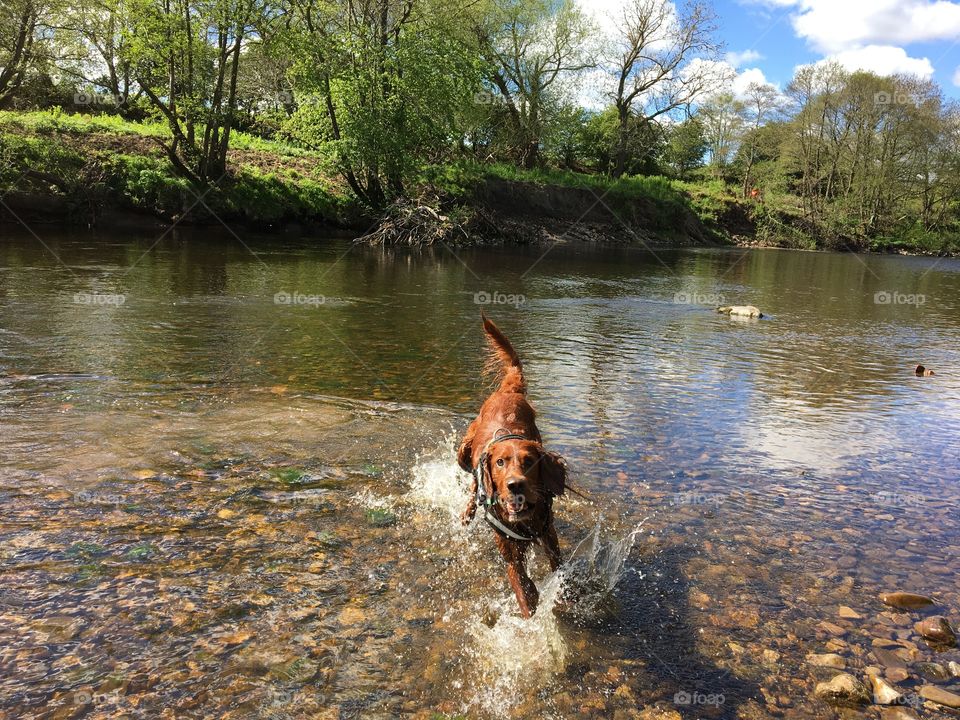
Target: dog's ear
<point>465,451</point>
<point>553,472</point>
<point>465,455</point>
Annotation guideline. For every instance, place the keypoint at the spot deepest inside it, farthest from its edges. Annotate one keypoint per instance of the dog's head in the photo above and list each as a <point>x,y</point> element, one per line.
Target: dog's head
<point>524,475</point>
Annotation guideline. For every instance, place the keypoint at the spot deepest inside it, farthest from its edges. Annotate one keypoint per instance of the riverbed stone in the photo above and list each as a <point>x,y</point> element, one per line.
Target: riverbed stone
<point>933,671</point>
<point>883,692</point>
<point>940,696</point>
<point>897,713</point>
<point>830,660</point>
<point>843,689</point>
<point>936,629</point>
<point>905,600</point>
<point>954,667</point>
<point>849,613</point>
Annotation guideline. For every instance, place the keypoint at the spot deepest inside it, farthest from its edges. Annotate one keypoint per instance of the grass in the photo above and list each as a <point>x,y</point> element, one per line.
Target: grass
<point>48,122</point>
<point>104,161</point>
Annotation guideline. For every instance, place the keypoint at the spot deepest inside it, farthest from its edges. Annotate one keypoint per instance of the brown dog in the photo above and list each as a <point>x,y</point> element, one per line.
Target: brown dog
<point>514,479</point>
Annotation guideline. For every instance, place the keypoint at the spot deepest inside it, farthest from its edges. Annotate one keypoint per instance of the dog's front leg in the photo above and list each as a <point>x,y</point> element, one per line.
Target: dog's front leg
<point>471,509</point>
<point>526,591</point>
<point>551,544</point>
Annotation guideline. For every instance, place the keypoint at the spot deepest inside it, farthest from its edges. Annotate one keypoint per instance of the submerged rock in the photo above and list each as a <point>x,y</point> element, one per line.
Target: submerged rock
<point>740,311</point>
<point>830,660</point>
<point>954,667</point>
<point>937,630</point>
<point>933,671</point>
<point>897,713</point>
<point>905,600</point>
<point>883,692</point>
<point>940,696</point>
<point>843,689</point>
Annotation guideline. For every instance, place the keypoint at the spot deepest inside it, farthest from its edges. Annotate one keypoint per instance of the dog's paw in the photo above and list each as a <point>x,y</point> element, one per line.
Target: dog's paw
<point>467,516</point>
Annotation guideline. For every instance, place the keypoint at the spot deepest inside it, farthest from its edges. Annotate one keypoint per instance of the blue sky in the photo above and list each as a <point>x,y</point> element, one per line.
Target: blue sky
<point>917,36</point>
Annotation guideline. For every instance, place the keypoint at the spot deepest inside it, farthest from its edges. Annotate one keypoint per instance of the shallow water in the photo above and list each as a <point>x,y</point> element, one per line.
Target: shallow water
<point>217,503</point>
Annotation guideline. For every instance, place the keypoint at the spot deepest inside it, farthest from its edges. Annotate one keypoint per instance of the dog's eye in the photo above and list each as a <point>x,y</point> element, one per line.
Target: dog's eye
<point>500,462</point>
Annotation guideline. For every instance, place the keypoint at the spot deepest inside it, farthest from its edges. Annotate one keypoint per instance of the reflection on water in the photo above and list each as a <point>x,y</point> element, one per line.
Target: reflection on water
<point>232,492</point>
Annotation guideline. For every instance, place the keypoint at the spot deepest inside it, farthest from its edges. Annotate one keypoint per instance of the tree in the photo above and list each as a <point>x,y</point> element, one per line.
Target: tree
<point>722,119</point>
<point>530,46</point>
<point>653,68</point>
<point>385,80</point>
<point>95,34</point>
<point>686,146</point>
<point>185,56</point>
<point>763,101</point>
<point>19,21</point>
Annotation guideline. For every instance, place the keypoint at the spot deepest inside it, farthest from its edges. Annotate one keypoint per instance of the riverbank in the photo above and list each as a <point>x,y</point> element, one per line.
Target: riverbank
<point>102,171</point>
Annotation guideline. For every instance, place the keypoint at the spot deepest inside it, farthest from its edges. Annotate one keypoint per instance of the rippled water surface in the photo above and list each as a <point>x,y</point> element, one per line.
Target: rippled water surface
<point>227,485</point>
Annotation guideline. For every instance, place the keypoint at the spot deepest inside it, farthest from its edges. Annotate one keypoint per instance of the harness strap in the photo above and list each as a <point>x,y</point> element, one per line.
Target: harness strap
<point>487,501</point>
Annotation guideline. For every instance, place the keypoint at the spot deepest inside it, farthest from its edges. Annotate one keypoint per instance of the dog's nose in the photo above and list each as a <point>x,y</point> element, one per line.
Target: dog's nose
<point>515,485</point>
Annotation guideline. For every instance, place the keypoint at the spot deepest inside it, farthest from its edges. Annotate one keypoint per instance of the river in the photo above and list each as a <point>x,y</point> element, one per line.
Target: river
<point>228,488</point>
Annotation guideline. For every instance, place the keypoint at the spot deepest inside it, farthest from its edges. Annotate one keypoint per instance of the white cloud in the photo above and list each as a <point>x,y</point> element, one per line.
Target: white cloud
<point>836,26</point>
<point>956,76</point>
<point>883,60</point>
<point>736,59</point>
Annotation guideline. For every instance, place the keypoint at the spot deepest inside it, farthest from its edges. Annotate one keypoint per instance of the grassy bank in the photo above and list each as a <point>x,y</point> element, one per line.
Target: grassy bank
<point>95,164</point>
<point>83,168</point>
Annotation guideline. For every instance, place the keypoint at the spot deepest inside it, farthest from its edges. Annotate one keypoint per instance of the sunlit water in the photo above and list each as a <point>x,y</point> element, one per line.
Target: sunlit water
<point>227,484</point>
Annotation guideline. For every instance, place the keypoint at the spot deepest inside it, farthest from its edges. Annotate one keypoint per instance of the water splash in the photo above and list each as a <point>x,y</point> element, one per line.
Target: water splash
<point>506,664</point>
<point>438,482</point>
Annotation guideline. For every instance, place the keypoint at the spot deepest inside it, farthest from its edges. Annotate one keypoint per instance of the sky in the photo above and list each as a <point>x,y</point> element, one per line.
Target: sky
<point>920,37</point>
<point>765,40</point>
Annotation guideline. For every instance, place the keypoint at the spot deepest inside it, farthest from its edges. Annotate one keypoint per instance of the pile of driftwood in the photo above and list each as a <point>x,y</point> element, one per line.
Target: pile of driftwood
<point>418,222</point>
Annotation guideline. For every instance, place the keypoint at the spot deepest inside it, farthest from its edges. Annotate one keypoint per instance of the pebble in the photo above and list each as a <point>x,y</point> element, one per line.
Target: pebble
<point>843,689</point>
<point>849,613</point>
<point>889,658</point>
<point>933,671</point>
<point>832,628</point>
<point>940,696</point>
<point>831,660</point>
<point>897,714</point>
<point>896,674</point>
<point>954,667</point>
<point>883,692</point>
<point>905,600</point>
<point>937,630</point>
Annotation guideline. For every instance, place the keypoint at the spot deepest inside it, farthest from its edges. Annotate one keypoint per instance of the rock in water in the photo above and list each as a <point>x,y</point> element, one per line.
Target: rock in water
<point>905,600</point>
<point>830,660</point>
<point>844,689</point>
<point>937,630</point>
<point>895,713</point>
<point>740,311</point>
<point>940,696</point>
<point>883,692</point>
<point>954,668</point>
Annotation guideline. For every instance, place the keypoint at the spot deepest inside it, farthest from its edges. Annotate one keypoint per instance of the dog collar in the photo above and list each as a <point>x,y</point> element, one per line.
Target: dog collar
<point>488,501</point>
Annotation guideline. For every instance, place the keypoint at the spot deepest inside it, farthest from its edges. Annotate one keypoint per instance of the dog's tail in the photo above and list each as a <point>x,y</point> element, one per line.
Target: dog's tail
<point>503,360</point>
